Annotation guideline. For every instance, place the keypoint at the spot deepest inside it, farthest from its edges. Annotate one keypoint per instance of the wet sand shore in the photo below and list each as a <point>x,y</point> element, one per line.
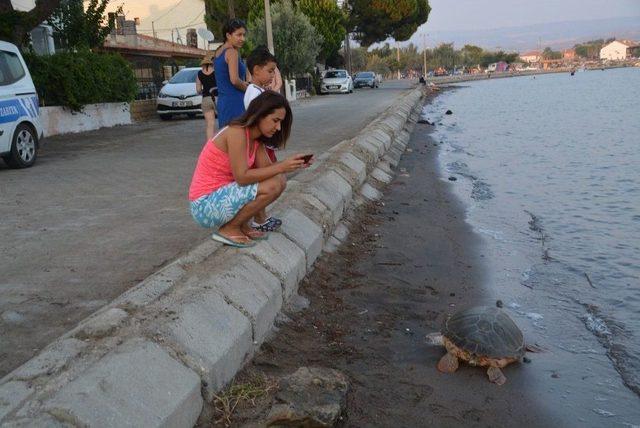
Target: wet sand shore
<point>410,260</point>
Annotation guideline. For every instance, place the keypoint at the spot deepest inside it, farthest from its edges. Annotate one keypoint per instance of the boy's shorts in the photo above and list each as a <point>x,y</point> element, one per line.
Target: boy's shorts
<point>222,205</point>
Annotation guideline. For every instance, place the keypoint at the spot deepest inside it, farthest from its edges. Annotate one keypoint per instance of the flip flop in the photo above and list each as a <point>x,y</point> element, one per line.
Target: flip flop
<point>230,241</point>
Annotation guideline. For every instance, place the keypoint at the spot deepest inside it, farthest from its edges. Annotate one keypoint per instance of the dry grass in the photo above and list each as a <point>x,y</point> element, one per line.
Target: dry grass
<point>226,403</point>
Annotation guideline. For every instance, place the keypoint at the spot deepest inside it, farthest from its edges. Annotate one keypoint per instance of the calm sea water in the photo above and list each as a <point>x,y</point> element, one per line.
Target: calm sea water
<point>550,170</point>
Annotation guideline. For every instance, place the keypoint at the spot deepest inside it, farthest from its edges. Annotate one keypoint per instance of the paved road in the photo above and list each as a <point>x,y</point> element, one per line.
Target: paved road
<point>102,210</point>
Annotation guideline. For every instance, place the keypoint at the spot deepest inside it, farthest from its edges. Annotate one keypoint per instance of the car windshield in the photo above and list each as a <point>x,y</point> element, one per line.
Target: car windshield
<point>335,74</point>
<point>365,75</point>
<point>185,76</point>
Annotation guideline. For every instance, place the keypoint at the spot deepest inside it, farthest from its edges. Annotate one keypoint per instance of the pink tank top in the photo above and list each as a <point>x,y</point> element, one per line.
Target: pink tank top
<point>213,169</point>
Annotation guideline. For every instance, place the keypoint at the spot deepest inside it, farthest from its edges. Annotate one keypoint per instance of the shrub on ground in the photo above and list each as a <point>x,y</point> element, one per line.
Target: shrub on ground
<point>74,79</point>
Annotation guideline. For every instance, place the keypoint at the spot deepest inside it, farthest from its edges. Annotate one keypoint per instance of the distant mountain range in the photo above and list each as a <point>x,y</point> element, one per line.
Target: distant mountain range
<point>557,35</point>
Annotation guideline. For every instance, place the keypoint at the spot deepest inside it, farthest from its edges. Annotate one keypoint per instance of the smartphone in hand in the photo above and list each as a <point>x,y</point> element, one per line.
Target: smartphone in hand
<point>307,158</point>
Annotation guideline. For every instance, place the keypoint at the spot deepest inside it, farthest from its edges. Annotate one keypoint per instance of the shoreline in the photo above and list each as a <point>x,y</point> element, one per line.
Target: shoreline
<point>373,301</point>
<point>445,80</point>
<point>576,375</point>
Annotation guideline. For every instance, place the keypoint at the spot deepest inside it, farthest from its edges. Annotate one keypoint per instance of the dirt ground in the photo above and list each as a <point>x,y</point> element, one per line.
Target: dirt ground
<point>410,260</point>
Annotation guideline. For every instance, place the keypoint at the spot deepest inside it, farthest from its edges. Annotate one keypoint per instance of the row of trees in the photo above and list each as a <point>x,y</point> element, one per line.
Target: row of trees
<point>384,59</point>
<point>310,31</point>
<point>591,49</point>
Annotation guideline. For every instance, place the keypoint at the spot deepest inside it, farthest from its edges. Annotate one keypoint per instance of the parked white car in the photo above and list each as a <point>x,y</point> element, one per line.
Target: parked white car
<point>336,81</point>
<point>20,128</point>
<point>179,96</point>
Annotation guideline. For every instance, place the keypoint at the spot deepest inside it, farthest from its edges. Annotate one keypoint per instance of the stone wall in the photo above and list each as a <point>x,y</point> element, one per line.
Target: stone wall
<point>60,120</point>
<point>143,110</point>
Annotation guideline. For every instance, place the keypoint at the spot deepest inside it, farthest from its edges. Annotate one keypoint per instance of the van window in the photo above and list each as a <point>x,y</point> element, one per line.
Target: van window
<point>11,69</point>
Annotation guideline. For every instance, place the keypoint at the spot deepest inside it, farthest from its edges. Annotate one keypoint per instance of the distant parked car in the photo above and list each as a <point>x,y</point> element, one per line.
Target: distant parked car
<point>20,128</point>
<point>179,96</point>
<point>336,81</point>
<point>366,78</point>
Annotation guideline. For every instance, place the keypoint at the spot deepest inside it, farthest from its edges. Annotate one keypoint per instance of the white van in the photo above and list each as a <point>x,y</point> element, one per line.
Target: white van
<point>20,128</point>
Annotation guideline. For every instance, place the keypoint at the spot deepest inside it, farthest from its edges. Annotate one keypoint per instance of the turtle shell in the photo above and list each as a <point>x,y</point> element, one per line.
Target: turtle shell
<point>485,331</point>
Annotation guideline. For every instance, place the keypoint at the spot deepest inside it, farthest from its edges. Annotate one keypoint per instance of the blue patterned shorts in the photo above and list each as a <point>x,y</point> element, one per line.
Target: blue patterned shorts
<point>218,208</point>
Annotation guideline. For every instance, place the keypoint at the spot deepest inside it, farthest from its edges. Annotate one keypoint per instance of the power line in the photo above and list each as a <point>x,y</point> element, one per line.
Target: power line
<point>167,12</point>
<point>171,28</point>
<point>179,28</point>
<point>197,17</point>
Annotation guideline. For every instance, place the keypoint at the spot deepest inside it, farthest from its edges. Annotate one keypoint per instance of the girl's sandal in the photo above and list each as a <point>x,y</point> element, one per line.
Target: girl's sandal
<point>240,241</point>
<point>257,235</point>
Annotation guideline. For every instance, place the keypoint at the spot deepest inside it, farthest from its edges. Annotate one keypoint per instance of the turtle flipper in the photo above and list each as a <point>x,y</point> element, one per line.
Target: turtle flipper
<point>496,376</point>
<point>448,363</point>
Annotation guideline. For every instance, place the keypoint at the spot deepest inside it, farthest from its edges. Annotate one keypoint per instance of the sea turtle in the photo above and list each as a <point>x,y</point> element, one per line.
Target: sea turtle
<point>481,336</point>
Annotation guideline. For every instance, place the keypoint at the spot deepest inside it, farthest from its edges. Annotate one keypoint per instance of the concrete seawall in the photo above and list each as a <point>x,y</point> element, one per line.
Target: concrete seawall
<point>156,354</point>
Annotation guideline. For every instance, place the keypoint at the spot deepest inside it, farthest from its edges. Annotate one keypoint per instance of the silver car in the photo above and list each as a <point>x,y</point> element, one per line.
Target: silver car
<point>336,81</point>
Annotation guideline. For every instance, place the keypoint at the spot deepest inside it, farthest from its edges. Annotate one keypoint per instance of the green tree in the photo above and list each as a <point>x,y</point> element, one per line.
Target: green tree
<point>296,42</point>
<point>217,13</point>
<point>377,65</point>
<point>329,20</point>
<point>82,27</point>
<point>374,21</point>
<point>446,56</point>
<point>471,55</point>
<point>549,53</point>
<point>358,59</point>
<point>15,24</point>
<point>590,49</point>
<point>410,58</point>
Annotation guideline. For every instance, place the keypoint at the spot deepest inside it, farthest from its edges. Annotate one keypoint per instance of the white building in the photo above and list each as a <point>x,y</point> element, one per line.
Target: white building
<point>531,57</point>
<point>618,50</point>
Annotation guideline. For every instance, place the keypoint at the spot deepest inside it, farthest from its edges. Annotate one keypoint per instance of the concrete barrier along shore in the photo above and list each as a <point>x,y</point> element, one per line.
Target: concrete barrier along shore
<point>157,354</point>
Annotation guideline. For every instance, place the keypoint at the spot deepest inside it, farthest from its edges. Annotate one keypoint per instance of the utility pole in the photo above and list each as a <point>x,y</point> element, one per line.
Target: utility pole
<point>153,28</point>
<point>398,58</point>
<point>424,55</point>
<point>347,54</point>
<point>267,20</point>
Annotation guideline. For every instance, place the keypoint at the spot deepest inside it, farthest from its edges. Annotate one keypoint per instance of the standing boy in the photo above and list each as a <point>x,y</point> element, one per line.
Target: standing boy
<point>262,65</point>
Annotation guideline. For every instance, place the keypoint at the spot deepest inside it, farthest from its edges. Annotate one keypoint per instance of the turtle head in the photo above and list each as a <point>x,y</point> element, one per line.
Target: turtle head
<point>434,339</point>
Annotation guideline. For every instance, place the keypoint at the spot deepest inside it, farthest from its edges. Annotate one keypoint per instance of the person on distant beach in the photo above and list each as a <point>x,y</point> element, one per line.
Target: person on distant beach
<point>230,72</point>
<point>207,86</point>
<point>234,178</point>
<point>262,65</point>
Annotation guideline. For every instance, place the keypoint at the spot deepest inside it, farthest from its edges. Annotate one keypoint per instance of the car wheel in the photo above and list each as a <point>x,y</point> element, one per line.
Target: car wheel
<point>165,116</point>
<point>191,115</point>
<point>24,147</point>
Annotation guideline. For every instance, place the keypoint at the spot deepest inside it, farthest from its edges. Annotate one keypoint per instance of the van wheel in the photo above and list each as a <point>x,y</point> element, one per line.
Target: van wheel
<point>165,116</point>
<point>23,147</point>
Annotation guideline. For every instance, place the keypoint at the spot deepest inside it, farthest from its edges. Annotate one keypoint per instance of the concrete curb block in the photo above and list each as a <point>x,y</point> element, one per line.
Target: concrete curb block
<point>158,353</point>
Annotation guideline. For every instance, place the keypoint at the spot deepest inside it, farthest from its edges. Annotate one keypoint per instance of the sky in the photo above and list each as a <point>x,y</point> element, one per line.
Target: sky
<point>165,14</point>
<point>446,15</point>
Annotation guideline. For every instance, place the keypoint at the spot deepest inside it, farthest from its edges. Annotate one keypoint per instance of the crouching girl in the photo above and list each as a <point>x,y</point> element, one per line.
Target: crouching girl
<point>234,178</point>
